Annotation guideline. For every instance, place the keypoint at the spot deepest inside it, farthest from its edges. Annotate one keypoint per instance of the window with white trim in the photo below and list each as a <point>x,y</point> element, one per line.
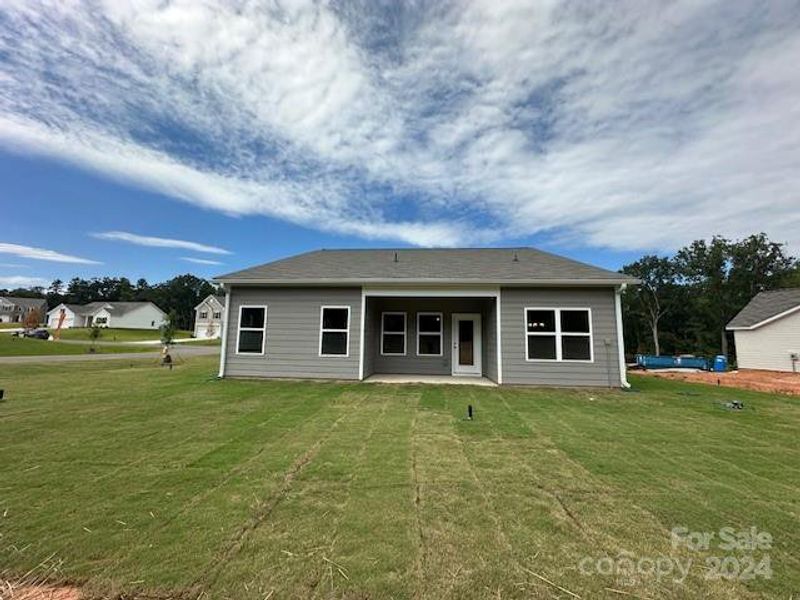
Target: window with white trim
<point>558,334</point>
<point>334,334</point>
<point>217,315</point>
<point>203,314</point>
<point>251,336</point>
<point>393,334</point>
<point>429,334</point>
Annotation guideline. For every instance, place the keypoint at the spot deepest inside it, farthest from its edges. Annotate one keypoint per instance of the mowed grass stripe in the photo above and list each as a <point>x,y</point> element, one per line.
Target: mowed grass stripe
<point>612,526</point>
<point>298,552</point>
<point>240,501</point>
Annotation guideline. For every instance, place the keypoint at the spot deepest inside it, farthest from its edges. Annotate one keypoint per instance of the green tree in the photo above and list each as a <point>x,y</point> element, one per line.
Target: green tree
<point>705,265</point>
<point>792,278</point>
<point>725,275</point>
<point>181,294</point>
<point>168,329</point>
<point>94,334</point>
<point>652,298</point>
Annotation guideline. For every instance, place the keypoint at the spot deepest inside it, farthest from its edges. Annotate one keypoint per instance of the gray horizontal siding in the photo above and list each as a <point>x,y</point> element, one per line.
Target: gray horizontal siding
<point>292,348</point>
<point>411,363</point>
<point>604,371</point>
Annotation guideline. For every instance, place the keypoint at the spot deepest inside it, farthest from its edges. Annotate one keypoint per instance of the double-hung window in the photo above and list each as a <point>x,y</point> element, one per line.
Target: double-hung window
<point>334,334</point>
<point>429,334</point>
<point>393,334</point>
<point>203,315</point>
<point>558,334</point>
<point>217,315</point>
<point>252,335</point>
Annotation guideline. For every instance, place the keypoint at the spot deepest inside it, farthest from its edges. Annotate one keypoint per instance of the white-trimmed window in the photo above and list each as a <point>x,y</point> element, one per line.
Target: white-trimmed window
<point>334,331</point>
<point>558,334</point>
<point>429,334</point>
<point>217,315</point>
<point>251,338</point>
<point>393,334</point>
<point>203,314</point>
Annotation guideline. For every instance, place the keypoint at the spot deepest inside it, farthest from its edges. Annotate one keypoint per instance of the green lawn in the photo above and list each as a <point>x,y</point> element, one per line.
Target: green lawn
<point>10,325</point>
<point>118,335</point>
<point>141,481</point>
<point>11,345</point>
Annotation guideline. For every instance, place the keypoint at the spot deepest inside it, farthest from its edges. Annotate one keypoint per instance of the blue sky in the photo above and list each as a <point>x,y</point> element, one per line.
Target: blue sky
<point>154,138</point>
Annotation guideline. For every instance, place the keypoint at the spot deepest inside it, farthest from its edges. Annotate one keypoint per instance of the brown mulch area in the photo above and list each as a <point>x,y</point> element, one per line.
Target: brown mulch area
<point>10,591</point>
<point>748,379</point>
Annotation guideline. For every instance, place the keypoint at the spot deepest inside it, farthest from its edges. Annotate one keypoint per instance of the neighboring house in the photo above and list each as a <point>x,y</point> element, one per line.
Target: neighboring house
<point>767,331</point>
<point>514,316</point>
<point>14,310</point>
<point>120,315</point>
<point>208,317</point>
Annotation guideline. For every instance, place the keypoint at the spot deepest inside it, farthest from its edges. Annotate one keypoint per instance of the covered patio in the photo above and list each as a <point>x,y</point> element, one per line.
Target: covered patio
<point>449,336</point>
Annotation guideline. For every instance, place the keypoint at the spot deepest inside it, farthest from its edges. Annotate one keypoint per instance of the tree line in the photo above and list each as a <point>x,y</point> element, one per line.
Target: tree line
<point>177,296</point>
<point>685,300</point>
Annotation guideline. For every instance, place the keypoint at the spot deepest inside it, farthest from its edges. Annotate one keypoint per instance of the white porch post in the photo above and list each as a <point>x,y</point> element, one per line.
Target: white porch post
<point>361,335</point>
<point>499,336</point>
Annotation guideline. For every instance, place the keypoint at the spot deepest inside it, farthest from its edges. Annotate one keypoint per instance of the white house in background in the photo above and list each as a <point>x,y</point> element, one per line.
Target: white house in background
<point>14,310</point>
<point>120,315</point>
<point>767,331</point>
<point>208,317</point>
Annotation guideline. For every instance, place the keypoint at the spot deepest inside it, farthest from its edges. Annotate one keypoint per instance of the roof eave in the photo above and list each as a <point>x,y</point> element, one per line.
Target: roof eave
<point>337,282</point>
<point>763,322</point>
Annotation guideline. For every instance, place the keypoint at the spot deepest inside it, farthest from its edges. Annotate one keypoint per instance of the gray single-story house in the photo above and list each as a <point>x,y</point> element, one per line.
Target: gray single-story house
<point>766,332</point>
<point>509,315</point>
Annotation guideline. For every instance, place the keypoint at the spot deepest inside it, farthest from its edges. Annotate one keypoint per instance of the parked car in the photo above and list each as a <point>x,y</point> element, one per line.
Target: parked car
<point>39,334</point>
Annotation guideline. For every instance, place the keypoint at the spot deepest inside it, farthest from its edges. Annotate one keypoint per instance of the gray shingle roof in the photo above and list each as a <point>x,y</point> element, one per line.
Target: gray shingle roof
<point>115,308</point>
<point>766,305</point>
<point>27,303</point>
<point>465,265</point>
<point>218,298</point>
<point>123,308</point>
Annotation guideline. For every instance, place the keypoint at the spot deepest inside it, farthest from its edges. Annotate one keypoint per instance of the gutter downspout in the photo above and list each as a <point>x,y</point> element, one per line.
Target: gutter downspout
<point>224,349</point>
<point>620,337</point>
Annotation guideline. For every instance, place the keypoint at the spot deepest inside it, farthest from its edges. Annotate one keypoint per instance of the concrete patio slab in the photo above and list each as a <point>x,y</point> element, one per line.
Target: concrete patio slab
<point>434,379</point>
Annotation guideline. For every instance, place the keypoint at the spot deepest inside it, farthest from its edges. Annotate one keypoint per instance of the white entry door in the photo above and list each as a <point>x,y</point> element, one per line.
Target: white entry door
<point>466,338</point>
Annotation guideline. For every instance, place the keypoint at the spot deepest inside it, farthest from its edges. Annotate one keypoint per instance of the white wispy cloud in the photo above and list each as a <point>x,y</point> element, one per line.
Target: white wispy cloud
<point>43,254</point>
<point>22,281</point>
<point>157,242</point>
<point>633,125</point>
<point>200,261</point>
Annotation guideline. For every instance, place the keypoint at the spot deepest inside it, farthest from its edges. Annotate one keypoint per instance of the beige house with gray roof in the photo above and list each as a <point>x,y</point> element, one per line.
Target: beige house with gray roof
<point>208,317</point>
<point>503,315</point>
<point>767,331</point>
<point>14,309</point>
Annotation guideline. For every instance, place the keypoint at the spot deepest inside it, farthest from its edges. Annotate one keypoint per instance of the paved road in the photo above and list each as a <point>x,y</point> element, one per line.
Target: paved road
<point>155,343</point>
<point>183,352</point>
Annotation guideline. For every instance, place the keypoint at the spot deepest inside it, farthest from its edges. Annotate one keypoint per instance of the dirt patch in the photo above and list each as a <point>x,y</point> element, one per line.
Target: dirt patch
<point>748,379</point>
<point>9,591</point>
